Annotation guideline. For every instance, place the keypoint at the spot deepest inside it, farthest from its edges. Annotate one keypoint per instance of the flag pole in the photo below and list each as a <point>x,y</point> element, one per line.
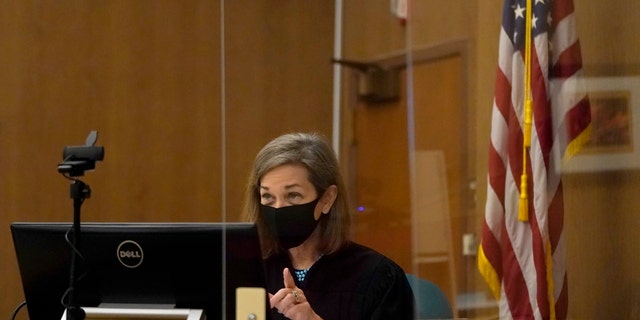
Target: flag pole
<point>523,212</point>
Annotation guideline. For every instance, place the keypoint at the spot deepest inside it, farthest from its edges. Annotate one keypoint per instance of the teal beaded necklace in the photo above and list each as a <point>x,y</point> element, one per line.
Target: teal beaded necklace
<point>301,275</point>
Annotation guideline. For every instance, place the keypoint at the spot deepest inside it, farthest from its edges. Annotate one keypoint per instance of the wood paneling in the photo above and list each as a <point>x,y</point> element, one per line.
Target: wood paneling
<point>601,230</point>
<point>149,76</point>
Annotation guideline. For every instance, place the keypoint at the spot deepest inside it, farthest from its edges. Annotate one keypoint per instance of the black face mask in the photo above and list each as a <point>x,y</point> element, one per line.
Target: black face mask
<point>292,225</point>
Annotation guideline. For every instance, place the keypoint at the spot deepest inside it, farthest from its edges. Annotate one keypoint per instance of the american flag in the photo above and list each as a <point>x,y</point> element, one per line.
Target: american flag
<point>523,261</point>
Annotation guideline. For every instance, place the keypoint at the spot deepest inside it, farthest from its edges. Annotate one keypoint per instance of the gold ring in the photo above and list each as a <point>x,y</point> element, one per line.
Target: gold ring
<point>295,296</point>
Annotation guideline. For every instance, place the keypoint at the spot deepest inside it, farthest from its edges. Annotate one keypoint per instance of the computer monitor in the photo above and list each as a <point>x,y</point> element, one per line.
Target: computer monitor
<point>166,265</point>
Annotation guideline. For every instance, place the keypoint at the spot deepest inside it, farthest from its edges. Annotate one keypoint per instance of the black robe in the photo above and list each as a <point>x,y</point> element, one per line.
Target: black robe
<point>353,283</point>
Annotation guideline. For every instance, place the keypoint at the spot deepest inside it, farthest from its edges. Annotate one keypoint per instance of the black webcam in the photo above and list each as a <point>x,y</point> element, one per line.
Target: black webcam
<point>78,159</point>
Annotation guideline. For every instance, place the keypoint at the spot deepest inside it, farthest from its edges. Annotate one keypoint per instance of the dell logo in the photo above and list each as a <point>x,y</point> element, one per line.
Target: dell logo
<point>130,254</point>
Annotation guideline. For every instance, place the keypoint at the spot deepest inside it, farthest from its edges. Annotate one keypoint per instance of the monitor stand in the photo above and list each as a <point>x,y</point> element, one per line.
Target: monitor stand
<point>250,305</point>
<point>137,312</point>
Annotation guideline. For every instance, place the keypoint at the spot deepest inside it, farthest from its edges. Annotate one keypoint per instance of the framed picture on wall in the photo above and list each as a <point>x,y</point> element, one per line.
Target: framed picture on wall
<point>615,122</point>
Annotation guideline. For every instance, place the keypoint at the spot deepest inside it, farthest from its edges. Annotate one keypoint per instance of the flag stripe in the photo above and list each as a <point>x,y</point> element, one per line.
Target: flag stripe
<point>560,9</point>
<point>556,218</point>
<point>569,62</point>
<point>577,119</point>
<point>513,261</point>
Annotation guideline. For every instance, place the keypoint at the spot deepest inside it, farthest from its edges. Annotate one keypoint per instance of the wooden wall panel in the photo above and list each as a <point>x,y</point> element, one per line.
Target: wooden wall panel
<point>370,30</point>
<point>148,76</point>
<point>601,229</point>
<point>141,73</point>
<point>278,78</point>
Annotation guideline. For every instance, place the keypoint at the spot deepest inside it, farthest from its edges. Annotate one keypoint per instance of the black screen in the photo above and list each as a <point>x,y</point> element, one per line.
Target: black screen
<point>179,265</point>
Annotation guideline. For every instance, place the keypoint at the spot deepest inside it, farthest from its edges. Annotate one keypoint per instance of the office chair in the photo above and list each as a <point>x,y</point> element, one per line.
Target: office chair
<point>431,303</point>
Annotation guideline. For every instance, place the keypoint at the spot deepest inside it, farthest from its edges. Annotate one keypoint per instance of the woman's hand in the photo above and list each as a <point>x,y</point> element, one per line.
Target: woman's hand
<point>291,302</point>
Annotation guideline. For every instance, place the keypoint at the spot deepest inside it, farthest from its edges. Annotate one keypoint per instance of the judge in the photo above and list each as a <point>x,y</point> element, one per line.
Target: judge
<point>297,198</point>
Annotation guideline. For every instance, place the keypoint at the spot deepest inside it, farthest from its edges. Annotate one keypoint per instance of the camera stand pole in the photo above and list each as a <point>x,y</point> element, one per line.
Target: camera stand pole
<point>75,161</point>
<point>78,191</point>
